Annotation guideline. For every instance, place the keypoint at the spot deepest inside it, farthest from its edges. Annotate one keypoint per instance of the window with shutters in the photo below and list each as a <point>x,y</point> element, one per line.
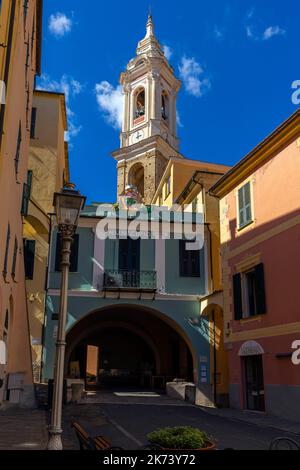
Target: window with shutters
<point>18,149</point>
<point>249,293</point>
<point>32,36</point>
<point>26,194</point>
<point>6,251</point>
<point>29,256</point>
<point>27,59</point>
<point>245,211</point>
<point>25,8</point>
<point>73,256</point>
<point>14,263</point>
<point>33,121</point>
<point>189,261</point>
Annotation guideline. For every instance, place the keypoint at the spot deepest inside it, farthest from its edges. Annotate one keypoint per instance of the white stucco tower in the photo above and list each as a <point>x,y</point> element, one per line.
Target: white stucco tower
<point>148,137</point>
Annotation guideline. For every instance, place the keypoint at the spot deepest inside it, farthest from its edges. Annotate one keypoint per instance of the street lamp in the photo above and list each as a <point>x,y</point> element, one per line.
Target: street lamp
<point>68,204</point>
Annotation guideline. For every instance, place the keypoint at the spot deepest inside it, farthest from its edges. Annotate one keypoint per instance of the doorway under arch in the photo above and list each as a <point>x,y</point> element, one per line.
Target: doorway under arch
<point>127,345</point>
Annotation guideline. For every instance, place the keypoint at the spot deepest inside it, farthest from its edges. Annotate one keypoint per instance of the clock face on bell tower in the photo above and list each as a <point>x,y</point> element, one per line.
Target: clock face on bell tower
<point>150,92</point>
<point>137,136</point>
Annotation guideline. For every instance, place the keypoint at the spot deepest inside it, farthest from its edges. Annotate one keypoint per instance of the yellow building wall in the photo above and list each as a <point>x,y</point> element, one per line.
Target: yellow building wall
<point>48,162</point>
<point>181,172</point>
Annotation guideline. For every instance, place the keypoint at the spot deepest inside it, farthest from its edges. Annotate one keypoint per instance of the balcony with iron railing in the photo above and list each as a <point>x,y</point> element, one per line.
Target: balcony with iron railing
<point>129,280</point>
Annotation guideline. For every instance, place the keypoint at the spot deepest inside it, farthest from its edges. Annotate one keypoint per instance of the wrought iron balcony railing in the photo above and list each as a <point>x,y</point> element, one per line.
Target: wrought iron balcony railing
<point>121,279</point>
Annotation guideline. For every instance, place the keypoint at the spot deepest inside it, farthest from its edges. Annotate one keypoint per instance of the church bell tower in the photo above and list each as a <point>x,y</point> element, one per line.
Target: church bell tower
<point>148,137</point>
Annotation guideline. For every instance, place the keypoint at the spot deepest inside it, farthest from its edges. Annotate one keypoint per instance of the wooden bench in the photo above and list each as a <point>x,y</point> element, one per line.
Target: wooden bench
<point>91,443</point>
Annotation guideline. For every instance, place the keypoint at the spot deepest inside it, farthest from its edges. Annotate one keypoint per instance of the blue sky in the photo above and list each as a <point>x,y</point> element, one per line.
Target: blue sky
<point>238,61</point>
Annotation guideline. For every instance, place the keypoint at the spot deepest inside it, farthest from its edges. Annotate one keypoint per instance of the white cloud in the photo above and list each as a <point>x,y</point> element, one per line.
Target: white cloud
<point>167,51</point>
<point>250,13</point>
<point>218,33</point>
<point>178,120</point>
<point>191,74</point>
<point>273,31</point>
<point>70,88</point>
<point>66,85</point>
<point>249,32</point>
<point>111,103</point>
<point>268,33</point>
<point>60,24</point>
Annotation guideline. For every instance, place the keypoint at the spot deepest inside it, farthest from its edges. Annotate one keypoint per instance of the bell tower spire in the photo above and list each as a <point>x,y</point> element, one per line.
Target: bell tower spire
<point>150,91</point>
<point>149,26</point>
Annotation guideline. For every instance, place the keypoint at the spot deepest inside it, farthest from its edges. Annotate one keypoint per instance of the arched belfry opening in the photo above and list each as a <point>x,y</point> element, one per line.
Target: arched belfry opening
<point>128,345</point>
<point>165,106</point>
<point>140,104</point>
<point>136,178</point>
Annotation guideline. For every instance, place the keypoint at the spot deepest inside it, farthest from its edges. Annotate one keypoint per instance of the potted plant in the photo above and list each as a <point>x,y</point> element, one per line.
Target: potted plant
<point>181,438</point>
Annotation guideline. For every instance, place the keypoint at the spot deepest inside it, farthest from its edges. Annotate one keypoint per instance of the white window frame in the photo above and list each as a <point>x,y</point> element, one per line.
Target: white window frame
<point>245,294</point>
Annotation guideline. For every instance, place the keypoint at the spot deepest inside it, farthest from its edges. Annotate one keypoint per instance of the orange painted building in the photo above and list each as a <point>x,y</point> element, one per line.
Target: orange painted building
<point>20,33</point>
<point>260,240</point>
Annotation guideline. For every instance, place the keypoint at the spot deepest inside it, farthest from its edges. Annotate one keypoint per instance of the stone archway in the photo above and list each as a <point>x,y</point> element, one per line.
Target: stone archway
<point>128,337</point>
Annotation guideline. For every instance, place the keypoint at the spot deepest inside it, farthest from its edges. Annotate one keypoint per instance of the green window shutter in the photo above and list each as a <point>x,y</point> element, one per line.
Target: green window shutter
<point>25,8</point>
<point>26,194</point>
<point>73,255</point>
<point>14,263</point>
<point>29,255</point>
<point>189,261</point>
<point>260,289</point>
<point>33,122</point>
<point>18,149</point>
<point>29,182</point>
<point>183,259</point>
<point>6,250</point>
<point>25,200</point>
<point>247,198</point>
<point>237,297</point>
<point>129,255</point>
<point>244,203</point>
<point>241,207</point>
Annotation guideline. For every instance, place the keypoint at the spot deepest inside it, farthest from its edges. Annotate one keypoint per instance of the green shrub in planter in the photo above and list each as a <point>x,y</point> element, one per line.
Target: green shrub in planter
<point>182,437</point>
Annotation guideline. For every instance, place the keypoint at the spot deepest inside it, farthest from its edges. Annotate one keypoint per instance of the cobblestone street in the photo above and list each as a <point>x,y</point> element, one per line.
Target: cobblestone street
<point>110,414</point>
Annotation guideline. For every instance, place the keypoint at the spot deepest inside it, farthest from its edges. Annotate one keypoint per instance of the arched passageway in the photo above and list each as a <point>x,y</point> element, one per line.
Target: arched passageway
<point>127,346</point>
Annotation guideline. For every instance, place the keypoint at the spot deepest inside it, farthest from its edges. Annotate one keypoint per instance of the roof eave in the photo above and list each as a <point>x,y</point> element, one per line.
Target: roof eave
<point>278,139</point>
